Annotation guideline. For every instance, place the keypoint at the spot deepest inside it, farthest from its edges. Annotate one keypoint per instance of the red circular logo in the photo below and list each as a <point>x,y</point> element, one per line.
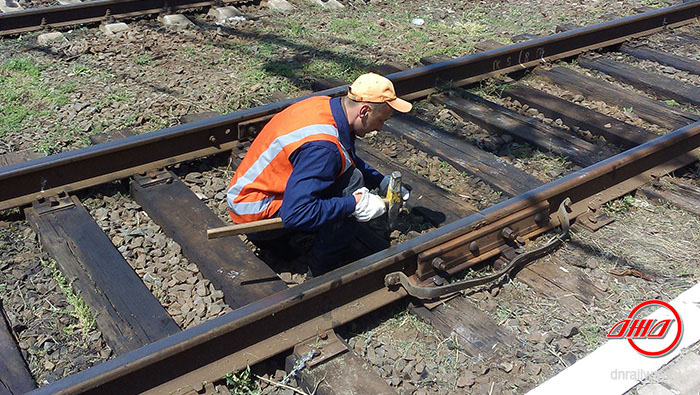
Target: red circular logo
<point>679,330</point>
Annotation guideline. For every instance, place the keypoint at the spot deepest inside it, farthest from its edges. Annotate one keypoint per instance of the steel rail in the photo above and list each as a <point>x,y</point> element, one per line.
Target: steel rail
<point>69,171</point>
<point>265,328</point>
<point>31,19</point>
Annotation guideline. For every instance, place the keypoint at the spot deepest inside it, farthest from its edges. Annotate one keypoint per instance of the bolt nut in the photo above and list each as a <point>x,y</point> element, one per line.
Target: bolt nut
<point>474,248</point>
<point>439,263</point>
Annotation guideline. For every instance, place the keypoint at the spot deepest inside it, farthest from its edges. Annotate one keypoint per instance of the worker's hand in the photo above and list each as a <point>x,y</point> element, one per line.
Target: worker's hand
<point>369,206</point>
<point>384,186</point>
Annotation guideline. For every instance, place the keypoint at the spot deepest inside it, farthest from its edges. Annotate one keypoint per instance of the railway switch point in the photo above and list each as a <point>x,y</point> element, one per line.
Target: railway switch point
<point>177,22</point>
<point>112,29</point>
<point>222,14</point>
<point>53,38</point>
<point>279,5</point>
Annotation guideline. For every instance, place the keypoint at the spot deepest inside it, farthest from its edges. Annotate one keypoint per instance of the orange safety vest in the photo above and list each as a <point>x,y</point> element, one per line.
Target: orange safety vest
<point>257,187</point>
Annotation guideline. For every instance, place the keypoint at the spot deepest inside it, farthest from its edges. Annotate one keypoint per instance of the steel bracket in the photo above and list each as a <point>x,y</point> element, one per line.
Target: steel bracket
<point>154,177</point>
<point>595,218</point>
<point>323,347</point>
<point>483,243</point>
<point>521,257</point>
<point>61,201</point>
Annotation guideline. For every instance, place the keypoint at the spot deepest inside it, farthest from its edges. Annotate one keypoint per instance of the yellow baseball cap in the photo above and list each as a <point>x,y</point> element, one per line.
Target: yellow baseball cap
<point>374,88</point>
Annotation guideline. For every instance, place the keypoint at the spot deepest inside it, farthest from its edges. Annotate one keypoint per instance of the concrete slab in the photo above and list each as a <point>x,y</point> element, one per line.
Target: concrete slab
<point>279,5</point>
<point>224,14</point>
<point>112,29</point>
<point>66,2</point>
<point>333,4</point>
<point>176,22</point>
<point>48,39</point>
<point>10,5</point>
<point>654,389</point>
<point>684,375</point>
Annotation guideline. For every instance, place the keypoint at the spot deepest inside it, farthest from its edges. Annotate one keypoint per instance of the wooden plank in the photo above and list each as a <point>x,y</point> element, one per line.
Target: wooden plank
<point>665,58</point>
<point>327,83</point>
<point>477,333</point>
<point>554,279</point>
<point>15,377</point>
<point>428,60</point>
<point>128,315</point>
<point>462,155</point>
<point>568,278</point>
<point>652,83</point>
<point>488,45</point>
<point>11,158</point>
<point>681,195</point>
<point>113,135</point>
<point>492,116</point>
<point>524,37</point>
<point>228,263</point>
<point>198,116</point>
<point>435,204</point>
<point>684,38</point>
<point>545,289</point>
<point>343,373</point>
<point>388,68</point>
<point>614,131</point>
<point>565,27</point>
<point>592,88</point>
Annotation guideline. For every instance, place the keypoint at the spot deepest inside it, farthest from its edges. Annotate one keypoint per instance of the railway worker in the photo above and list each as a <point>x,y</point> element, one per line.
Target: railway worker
<point>302,167</point>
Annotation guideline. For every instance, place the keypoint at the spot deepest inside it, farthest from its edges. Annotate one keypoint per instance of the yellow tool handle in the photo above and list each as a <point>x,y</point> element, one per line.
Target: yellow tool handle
<point>249,227</point>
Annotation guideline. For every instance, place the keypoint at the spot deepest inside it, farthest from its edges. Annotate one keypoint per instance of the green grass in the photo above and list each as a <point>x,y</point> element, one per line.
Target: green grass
<point>24,97</point>
<point>591,334</point>
<point>81,70</point>
<point>621,205</point>
<point>490,87</point>
<point>295,29</point>
<point>143,59</point>
<point>115,97</point>
<point>81,311</point>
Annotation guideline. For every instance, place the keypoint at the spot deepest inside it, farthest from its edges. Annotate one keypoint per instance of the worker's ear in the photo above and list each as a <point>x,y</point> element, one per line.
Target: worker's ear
<point>365,110</point>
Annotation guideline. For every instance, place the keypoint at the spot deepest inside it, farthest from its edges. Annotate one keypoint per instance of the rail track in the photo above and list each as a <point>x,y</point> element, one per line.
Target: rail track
<point>269,318</point>
<point>17,20</point>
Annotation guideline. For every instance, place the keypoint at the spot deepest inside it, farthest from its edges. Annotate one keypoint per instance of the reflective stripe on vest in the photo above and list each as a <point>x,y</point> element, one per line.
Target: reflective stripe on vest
<point>275,148</point>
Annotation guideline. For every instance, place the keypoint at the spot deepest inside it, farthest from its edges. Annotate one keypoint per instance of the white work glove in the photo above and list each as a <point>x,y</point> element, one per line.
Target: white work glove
<point>369,207</point>
<point>384,185</point>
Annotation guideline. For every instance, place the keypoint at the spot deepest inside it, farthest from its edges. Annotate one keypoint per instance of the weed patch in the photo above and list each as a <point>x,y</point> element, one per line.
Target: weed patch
<point>241,383</point>
<point>24,97</point>
<point>81,311</point>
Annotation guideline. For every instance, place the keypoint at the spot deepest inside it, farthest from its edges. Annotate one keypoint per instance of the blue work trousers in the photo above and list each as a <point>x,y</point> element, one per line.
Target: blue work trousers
<point>332,240</point>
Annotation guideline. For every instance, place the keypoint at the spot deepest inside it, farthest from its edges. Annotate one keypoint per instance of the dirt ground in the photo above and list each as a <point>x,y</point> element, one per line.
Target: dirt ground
<point>52,99</point>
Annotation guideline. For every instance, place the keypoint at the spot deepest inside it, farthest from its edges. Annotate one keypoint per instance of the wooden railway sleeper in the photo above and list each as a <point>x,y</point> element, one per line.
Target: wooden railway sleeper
<point>432,292</point>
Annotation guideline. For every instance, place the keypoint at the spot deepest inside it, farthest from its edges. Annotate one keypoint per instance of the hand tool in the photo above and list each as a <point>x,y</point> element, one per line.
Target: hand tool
<point>248,227</point>
<point>393,199</point>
